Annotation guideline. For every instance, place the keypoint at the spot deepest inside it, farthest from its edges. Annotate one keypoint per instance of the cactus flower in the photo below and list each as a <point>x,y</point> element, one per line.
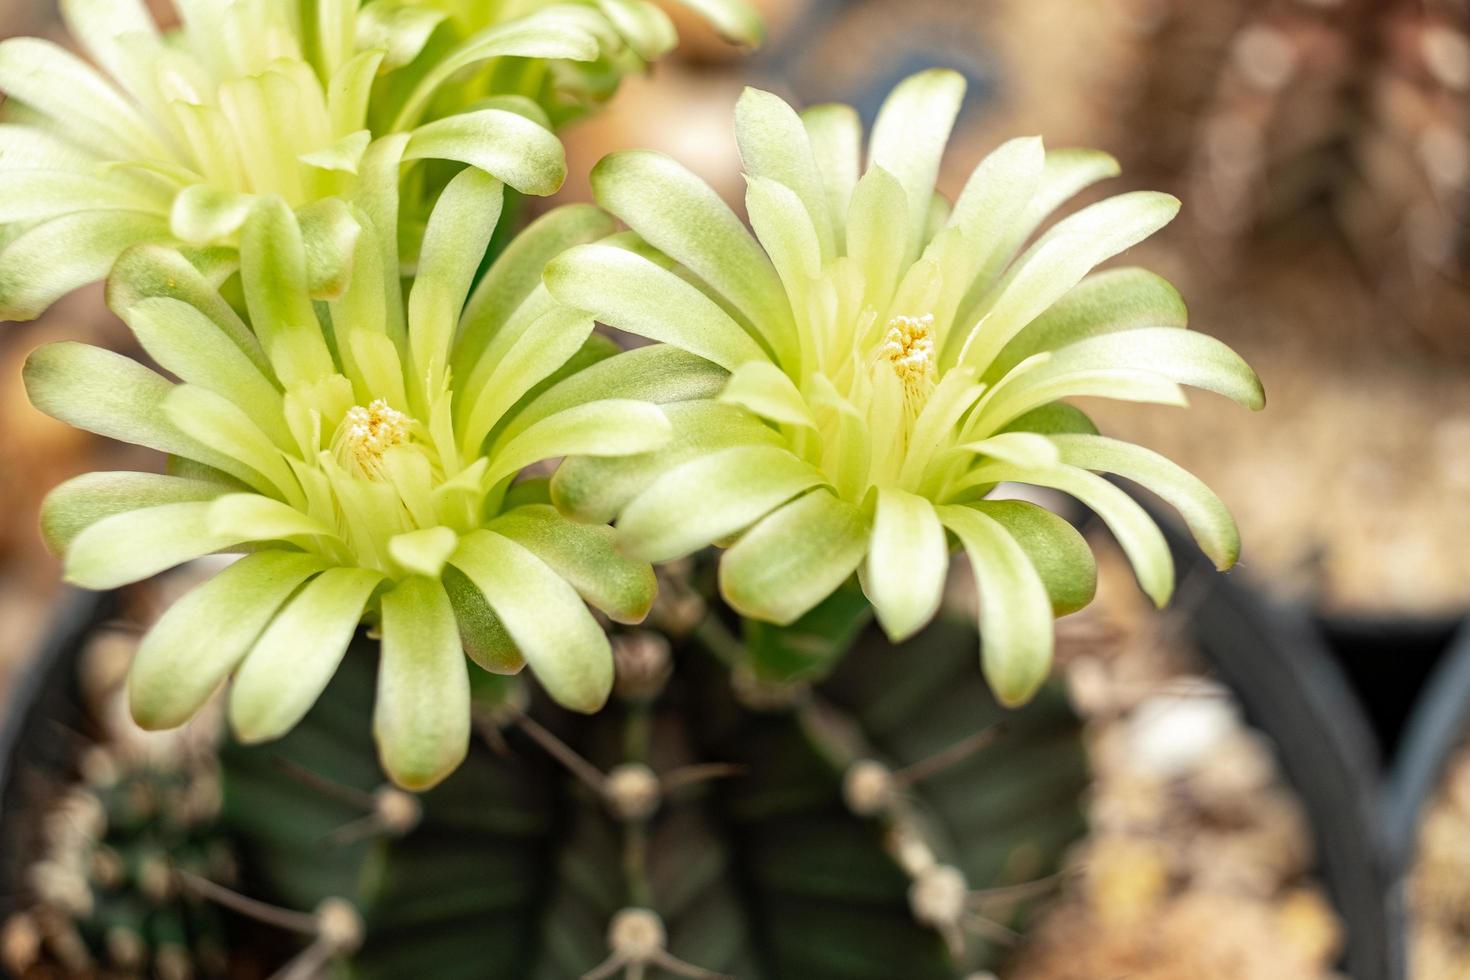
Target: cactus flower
<point>892,360</point>
<point>179,132</point>
<point>364,454</point>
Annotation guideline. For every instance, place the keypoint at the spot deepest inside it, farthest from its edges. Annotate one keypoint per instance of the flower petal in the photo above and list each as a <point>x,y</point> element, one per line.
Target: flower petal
<point>1015,611</point>
<point>423,552</point>
<point>290,664</point>
<point>680,215</point>
<point>627,291</point>
<point>908,559</point>
<point>766,390</point>
<point>203,636</point>
<point>774,146</point>
<point>273,273</point>
<point>709,498</point>
<point>613,427</point>
<point>505,145</point>
<point>836,135</point>
<point>909,137</point>
<point>1055,547</point>
<point>736,20</point>
<point>1202,510</point>
<point>596,490</point>
<point>566,649</point>
<point>584,555</point>
<point>82,501</point>
<point>49,260</point>
<point>794,558</point>
<point>137,544</point>
<point>421,719</point>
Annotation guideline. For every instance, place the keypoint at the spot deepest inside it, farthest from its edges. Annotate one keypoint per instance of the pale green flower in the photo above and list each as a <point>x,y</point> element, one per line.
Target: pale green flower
<point>904,357</point>
<point>436,41</point>
<point>180,132</point>
<point>362,452</point>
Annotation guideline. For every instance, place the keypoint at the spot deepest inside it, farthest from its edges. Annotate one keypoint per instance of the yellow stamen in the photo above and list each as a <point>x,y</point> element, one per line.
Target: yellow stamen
<point>909,349</point>
<point>366,434</point>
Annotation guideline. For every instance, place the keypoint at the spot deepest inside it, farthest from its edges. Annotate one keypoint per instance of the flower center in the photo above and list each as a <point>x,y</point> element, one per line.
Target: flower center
<point>909,348</point>
<point>366,434</point>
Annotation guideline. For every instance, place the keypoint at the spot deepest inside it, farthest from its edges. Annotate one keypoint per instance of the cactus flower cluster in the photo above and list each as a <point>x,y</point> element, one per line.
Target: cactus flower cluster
<point>396,433</point>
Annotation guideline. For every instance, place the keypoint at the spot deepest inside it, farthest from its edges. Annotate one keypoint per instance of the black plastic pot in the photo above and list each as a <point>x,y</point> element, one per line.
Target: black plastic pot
<point>1364,714</point>
<point>39,733</point>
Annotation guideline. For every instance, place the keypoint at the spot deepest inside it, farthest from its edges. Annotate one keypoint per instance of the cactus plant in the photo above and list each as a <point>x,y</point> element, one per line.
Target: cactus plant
<point>846,828</point>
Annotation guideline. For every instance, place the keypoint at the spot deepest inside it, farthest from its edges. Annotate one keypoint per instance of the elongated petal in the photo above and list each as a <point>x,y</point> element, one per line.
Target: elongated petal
<point>251,517</point>
<point>516,273</point>
<point>631,293</point>
<point>709,498</point>
<point>84,500</point>
<point>113,396</point>
<point>203,636</point>
<point>908,559</point>
<point>421,720</point>
<point>290,664</point>
<point>566,649</point>
<point>1055,547</point>
<point>37,195</point>
<point>153,271</point>
<point>1136,532</point>
<point>584,555</point>
<point>329,234</point>
<point>505,145</point>
<point>794,558</point>
<point>1059,261</point>
<point>186,342</point>
<point>1015,612</point>
<point>836,135</point>
<point>680,215</point>
<point>1205,513</point>
<point>596,490</point>
<point>877,207</point>
<point>547,344</point>
<point>273,273</point>
<point>458,233</point>
<point>49,260</point>
<point>909,137</point>
<point>658,373</point>
<point>483,635</point>
<point>605,428</point>
<point>217,423</point>
<point>1183,356</point>
<point>1105,302</point>
<point>784,226</point>
<point>767,391</point>
<point>1020,448</point>
<point>63,87</point>
<point>137,544</point>
<point>774,146</point>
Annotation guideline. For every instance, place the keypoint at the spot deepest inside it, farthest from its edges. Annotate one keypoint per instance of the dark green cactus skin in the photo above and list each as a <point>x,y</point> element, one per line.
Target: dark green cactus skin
<point>765,873</point>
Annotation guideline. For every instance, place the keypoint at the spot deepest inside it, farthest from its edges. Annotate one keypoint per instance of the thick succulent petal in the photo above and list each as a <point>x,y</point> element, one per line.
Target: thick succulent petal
<point>604,428</point>
<point>421,719</point>
<point>84,500</point>
<point>709,498</point>
<point>1202,510</point>
<point>202,637</point>
<point>1015,611</point>
<point>289,666</point>
<point>481,632</point>
<point>736,20</point>
<point>681,216</point>
<point>909,137</point>
<point>586,557</point>
<point>1055,547</point>
<point>505,145</point>
<point>794,558</point>
<point>596,490</point>
<point>908,559</point>
<point>767,391</point>
<point>561,641</point>
<point>49,260</point>
<point>273,274</point>
<point>627,291</point>
<point>774,146</point>
<point>836,135</point>
<point>133,545</point>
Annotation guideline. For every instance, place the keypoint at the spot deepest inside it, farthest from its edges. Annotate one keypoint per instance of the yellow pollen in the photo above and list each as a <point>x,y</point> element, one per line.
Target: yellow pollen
<point>367,433</point>
<point>909,347</point>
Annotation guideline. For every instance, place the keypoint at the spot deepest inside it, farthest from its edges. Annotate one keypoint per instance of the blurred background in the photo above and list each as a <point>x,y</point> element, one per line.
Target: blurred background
<point>1322,151</point>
